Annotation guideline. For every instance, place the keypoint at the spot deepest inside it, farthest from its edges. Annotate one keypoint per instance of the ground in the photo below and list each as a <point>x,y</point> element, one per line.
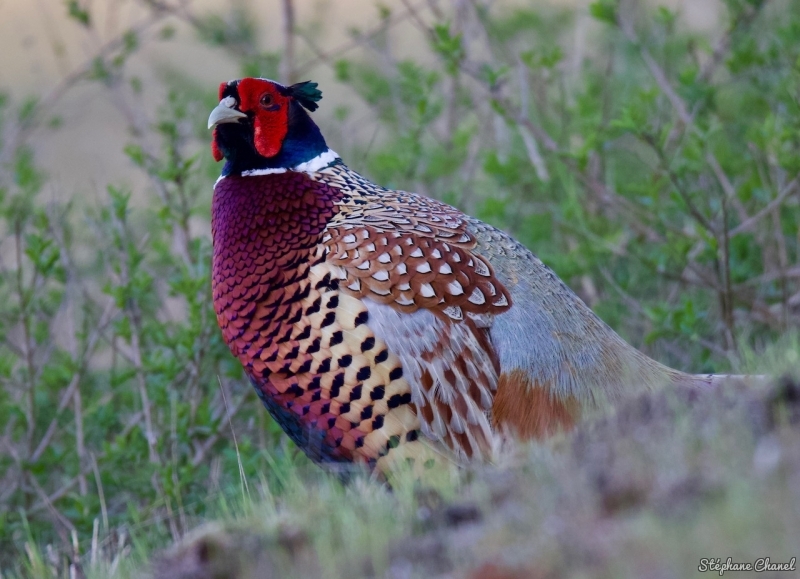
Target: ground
<point>650,490</point>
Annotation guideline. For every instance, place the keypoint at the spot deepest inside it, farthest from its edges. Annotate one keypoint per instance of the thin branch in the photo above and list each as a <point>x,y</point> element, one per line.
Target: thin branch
<point>725,183</point>
<point>531,146</point>
<point>727,295</point>
<point>49,504</point>
<point>687,198</point>
<point>748,225</point>
<point>133,311</point>
<point>27,338</point>
<point>85,470</point>
<point>287,59</point>
<point>208,444</point>
<point>626,25</point>
<point>68,394</point>
<point>330,55</point>
<point>743,20</point>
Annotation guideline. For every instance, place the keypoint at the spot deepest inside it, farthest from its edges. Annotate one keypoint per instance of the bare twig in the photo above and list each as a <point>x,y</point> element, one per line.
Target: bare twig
<point>743,20</point>
<point>531,146</point>
<point>748,225</point>
<point>133,311</point>
<point>49,504</point>
<point>679,187</point>
<point>725,183</point>
<point>626,25</point>
<point>727,296</point>
<point>100,492</point>
<point>68,394</point>
<point>331,55</point>
<point>27,347</point>
<point>287,59</point>
<point>783,264</point>
<point>230,413</point>
<point>134,420</point>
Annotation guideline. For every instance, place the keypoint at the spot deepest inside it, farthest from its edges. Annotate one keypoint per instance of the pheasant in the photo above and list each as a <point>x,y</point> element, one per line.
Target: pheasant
<point>383,327</point>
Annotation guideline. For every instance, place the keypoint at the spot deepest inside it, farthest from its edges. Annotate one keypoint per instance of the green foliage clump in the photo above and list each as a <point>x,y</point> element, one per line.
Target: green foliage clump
<point>118,392</point>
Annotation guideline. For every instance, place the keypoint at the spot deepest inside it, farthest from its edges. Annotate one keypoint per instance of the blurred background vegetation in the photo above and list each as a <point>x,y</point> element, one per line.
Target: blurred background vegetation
<point>648,151</point>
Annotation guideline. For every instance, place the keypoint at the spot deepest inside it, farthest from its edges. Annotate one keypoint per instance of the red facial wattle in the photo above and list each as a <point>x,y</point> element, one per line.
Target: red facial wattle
<point>218,156</point>
<point>270,122</point>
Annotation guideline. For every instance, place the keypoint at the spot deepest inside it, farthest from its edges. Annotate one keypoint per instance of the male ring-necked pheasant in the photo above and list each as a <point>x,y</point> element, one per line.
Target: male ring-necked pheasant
<point>379,325</point>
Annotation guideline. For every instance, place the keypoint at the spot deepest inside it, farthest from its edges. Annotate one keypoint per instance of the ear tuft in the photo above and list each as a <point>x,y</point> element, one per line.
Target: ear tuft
<point>307,94</point>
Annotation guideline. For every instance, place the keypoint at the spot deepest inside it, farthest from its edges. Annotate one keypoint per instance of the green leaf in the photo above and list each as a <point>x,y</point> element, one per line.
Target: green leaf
<point>448,46</point>
<point>604,10</point>
<point>78,13</point>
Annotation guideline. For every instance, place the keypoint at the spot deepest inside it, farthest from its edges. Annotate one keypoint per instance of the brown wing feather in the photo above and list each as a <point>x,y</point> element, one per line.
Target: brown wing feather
<point>409,271</point>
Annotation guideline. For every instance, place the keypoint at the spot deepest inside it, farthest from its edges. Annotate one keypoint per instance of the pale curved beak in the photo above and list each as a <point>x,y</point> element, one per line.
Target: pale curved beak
<point>222,114</point>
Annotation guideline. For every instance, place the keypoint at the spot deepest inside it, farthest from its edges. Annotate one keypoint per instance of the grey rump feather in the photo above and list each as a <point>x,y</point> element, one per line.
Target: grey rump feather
<point>555,338</point>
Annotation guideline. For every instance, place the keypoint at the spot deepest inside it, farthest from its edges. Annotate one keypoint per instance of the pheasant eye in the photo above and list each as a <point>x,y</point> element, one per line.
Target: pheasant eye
<point>267,100</point>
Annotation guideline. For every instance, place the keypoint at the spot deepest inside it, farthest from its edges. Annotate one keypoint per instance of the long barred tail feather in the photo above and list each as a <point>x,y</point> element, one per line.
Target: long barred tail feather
<point>718,380</point>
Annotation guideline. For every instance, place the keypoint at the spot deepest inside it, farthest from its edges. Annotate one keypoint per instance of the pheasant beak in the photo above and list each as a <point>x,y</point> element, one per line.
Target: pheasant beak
<point>224,113</point>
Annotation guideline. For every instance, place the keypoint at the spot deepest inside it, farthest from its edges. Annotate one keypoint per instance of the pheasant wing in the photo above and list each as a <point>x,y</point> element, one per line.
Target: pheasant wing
<point>430,299</point>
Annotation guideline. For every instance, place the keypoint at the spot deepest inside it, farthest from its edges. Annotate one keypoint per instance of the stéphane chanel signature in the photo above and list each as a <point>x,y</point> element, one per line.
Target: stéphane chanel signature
<point>717,565</point>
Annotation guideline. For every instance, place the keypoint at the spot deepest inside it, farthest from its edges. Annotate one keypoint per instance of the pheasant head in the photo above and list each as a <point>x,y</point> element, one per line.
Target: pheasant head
<point>262,125</point>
